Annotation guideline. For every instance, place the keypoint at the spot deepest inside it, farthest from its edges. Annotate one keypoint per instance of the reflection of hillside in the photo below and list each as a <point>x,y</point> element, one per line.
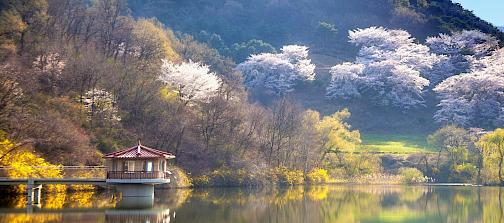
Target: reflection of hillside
<point>344,204</point>
<point>349,204</point>
<point>26,218</point>
<point>171,198</point>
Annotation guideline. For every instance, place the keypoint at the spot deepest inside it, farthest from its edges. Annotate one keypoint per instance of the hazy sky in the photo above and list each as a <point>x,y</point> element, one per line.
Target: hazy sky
<point>489,10</point>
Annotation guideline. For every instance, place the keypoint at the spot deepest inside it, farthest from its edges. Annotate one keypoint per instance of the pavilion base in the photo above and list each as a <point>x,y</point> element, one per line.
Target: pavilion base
<point>136,190</point>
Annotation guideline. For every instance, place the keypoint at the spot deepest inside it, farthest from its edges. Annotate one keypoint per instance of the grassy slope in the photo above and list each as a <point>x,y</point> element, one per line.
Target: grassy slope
<point>395,143</point>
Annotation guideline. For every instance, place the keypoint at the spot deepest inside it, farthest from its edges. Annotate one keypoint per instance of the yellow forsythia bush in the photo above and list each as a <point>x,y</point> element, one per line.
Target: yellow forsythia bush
<point>287,176</point>
<point>180,178</point>
<point>317,175</point>
<point>23,163</point>
<point>226,177</point>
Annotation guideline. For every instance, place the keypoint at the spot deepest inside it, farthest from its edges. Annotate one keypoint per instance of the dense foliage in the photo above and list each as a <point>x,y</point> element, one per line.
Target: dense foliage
<point>82,79</point>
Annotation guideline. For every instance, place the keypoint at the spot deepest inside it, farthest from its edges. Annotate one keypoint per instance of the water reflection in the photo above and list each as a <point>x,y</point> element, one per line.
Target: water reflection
<point>147,216</point>
<point>135,203</point>
<point>297,204</point>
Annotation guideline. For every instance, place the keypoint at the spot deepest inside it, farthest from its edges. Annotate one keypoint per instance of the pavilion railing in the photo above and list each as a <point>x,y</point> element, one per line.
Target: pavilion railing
<point>84,172</point>
<point>36,172</point>
<point>137,175</point>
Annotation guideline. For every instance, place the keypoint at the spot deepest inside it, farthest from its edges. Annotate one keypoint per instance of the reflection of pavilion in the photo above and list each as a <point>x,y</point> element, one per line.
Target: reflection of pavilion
<point>137,209</point>
<point>135,203</point>
<point>154,215</point>
<point>123,209</point>
<point>149,215</point>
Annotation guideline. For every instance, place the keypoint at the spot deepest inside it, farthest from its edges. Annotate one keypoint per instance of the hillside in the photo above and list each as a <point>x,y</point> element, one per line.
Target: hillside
<point>321,24</point>
<point>82,78</point>
<point>239,28</point>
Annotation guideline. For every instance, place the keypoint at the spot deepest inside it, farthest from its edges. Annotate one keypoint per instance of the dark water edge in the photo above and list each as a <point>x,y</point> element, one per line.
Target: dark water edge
<point>329,203</point>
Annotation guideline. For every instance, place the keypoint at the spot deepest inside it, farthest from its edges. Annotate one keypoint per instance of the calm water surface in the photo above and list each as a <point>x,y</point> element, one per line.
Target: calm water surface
<point>346,204</point>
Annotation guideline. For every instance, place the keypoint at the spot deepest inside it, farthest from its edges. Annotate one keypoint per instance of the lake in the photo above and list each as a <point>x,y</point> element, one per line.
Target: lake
<point>349,203</point>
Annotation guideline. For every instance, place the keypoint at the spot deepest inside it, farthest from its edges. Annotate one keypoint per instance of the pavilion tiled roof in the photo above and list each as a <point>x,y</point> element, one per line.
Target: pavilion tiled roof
<point>139,151</point>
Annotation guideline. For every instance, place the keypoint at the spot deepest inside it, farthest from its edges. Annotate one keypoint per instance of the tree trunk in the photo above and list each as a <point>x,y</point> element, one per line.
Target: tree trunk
<point>480,166</point>
<point>501,180</point>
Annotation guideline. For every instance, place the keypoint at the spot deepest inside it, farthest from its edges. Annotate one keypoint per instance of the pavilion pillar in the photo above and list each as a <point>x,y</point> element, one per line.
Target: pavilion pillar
<point>33,193</point>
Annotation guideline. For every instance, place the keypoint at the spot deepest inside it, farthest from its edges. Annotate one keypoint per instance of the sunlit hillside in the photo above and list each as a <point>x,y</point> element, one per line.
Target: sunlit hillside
<point>253,93</point>
<point>265,26</point>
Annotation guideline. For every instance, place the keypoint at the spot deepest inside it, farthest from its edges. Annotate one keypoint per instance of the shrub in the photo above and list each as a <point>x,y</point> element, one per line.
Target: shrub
<point>463,173</point>
<point>243,177</point>
<point>317,175</point>
<point>286,176</point>
<point>23,163</point>
<point>412,176</point>
<point>228,177</point>
<point>180,178</point>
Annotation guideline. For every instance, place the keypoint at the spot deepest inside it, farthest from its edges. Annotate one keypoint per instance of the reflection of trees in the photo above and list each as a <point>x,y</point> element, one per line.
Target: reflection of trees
<point>82,199</point>
<point>346,204</point>
<point>54,200</point>
<point>303,204</point>
<point>27,218</point>
<point>78,199</point>
<point>172,198</point>
<point>500,205</point>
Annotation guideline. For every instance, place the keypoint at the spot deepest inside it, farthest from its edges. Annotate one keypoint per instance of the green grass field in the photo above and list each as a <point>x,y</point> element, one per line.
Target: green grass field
<point>395,143</point>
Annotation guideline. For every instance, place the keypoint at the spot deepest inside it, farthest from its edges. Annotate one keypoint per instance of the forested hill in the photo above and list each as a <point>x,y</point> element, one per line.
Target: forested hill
<point>320,24</point>
<point>81,78</point>
<point>239,28</point>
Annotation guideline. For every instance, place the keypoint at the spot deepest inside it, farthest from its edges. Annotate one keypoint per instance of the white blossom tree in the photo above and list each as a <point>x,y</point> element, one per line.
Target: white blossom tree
<point>460,51</point>
<point>345,81</point>
<point>388,69</point>
<point>278,73</point>
<point>51,62</point>
<point>193,81</point>
<point>476,98</point>
<point>100,105</point>
<point>493,61</point>
<point>470,42</point>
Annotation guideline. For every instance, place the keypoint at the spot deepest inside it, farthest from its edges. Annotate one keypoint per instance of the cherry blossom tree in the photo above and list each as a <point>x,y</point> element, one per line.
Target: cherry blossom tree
<point>193,81</point>
<point>278,73</point>
<point>101,104</point>
<point>461,51</point>
<point>345,81</point>
<point>476,98</point>
<point>388,69</point>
